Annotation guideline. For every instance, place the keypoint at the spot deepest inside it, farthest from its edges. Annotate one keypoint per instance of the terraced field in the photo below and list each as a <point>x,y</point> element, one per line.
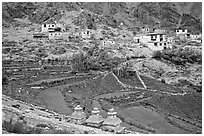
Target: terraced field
<point>53,99</point>
<point>152,119</point>
<point>157,85</point>
<point>171,113</point>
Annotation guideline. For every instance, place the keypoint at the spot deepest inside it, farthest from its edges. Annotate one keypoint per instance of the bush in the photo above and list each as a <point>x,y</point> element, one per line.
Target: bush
<point>156,54</point>
<point>179,56</point>
<point>43,125</point>
<point>18,127</point>
<point>5,80</point>
<point>163,81</point>
<point>60,131</point>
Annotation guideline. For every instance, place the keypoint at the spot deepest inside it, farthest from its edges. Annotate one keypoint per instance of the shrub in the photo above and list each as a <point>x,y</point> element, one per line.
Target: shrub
<point>17,127</point>
<point>179,56</point>
<point>43,125</point>
<point>5,80</point>
<point>163,81</point>
<point>60,131</point>
<point>156,54</point>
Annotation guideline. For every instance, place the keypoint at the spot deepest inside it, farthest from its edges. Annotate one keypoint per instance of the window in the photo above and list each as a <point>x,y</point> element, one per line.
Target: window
<point>177,30</point>
<point>183,30</point>
<point>155,44</point>
<point>160,44</point>
<point>44,25</point>
<point>52,25</point>
<point>164,43</point>
<point>49,25</point>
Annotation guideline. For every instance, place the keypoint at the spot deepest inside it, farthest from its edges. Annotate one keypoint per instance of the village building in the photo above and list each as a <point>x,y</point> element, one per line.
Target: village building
<point>145,30</point>
<point>196,36</point>
<point>55,35</point>
<point>180,31</point>
<point>136,39</point>
<point>159,30</point>
<point>154,41</point>
<point>107,43</point>
<point>45,27</point>
<point>170,41</point>
<point>95,119</point>
<point>78,116</point>
<point>86,34</point>
<point>112,123</point>
<point>54,31</point>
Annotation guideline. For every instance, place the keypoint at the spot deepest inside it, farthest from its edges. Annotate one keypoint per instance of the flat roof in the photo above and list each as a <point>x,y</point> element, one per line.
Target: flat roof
<point>156,34</point>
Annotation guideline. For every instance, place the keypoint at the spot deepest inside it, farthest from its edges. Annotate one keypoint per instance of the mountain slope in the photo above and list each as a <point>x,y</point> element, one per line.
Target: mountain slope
<point>163,14</point>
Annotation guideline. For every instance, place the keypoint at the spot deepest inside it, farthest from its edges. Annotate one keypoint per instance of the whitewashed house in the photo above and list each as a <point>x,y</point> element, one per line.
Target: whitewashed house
<point>196,36</point>
<point>154,41</point>
<point>86,34</point>
<point>107,43</point>
<point>54,30</point>
<point>145,30</point>
<point>55,35</point>
<point>181,31</point>
<point>159,31</point>
<point>45,27</point>
<point>136,39</point>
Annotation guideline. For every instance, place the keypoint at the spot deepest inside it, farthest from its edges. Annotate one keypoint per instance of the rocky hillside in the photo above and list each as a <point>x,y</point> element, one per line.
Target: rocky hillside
<point>165,15</point>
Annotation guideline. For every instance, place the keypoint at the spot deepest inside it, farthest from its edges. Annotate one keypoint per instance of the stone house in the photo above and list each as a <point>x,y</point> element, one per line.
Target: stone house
<point>95,119</point>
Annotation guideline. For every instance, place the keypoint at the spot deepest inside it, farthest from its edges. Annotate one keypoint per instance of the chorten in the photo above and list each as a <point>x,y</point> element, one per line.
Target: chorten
<point>95,119</point>
<point>78,116</point>
<point>112,122</point>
